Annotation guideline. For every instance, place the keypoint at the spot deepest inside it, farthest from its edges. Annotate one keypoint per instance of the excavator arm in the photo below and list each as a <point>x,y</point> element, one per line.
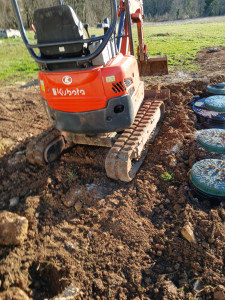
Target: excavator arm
<point>131,11</point>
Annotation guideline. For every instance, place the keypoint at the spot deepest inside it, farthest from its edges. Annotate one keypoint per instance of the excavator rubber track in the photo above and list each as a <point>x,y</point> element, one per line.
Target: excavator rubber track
<point>38,149</point>
<point>126,156</point>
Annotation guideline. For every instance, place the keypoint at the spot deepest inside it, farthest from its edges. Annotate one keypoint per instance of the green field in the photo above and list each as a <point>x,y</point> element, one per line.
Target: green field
<point>180,41</point>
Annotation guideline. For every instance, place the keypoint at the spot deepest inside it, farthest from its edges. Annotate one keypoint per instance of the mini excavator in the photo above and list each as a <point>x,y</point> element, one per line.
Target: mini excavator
<point>91,88</point>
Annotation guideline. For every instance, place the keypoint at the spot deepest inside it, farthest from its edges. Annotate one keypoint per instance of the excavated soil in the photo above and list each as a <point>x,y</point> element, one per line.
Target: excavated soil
<point>119,241</point>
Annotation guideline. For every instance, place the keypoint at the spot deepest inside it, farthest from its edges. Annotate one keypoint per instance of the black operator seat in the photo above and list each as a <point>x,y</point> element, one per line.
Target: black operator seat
<point>58,24</point>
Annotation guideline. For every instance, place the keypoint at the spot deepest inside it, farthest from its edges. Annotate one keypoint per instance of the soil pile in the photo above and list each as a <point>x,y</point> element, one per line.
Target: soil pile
<point>117,240</point>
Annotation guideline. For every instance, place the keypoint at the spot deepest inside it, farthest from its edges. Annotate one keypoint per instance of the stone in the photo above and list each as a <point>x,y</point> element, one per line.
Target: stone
<point>170,289</point>
<point>197,286</point>
<point>219,293</point>
<point>78,206</point>
<point>13,229</point>
<point>120,247</point>
<point>19,158</point>
<point>114,279</point>
<point>70,293</point>
<point>99,285</point>
<point>14,201</point>
<point>32,202</point>
<point>71,197</point>
<point>188,233</point>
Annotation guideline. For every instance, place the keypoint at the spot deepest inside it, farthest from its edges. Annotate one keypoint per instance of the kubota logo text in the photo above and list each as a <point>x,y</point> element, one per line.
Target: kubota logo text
<point>67,92</point>
<point>67,80</point>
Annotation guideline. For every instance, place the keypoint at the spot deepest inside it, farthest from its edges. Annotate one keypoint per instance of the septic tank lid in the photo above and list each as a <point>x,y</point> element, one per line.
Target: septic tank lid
<point>217,89</point>
<point>215,103</point>
<point>208,176</point>
<point>220,84</point>
<point>212,140</point>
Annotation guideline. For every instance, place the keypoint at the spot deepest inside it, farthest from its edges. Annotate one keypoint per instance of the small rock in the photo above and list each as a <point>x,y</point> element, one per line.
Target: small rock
<point>219,293</point>
<point>188,233</point>
<point>171,289</point>
<point>197,286</point>
<point>160,247</point>
<point>213,49</point>
<point>19,158</point>
<point>99,285</point>
<point>114,279</point>
<point>205,245</point>
<point>133,254</point>
<point>114,201</point>
<point>32,202</point>
<point>71,197</point>
<point>49,180</point>
<point>70,246</point>
<point>14,201</point>
<point>78,206</point>
<point>69,294</point>
<point>13,229</point>
<point>211,241</point>
<point>120,247</point>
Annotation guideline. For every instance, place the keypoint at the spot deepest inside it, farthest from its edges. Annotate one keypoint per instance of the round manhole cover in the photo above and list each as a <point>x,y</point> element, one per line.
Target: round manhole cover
<point>217,89</point>
<point>212,140</point>
<point>208,176</point>
<point>208,118</point>
<point>215,103</point>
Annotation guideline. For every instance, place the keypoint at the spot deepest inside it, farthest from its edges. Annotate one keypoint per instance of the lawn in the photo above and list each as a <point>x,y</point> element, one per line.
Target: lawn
<point>179,41</point>
<point>15,61</point>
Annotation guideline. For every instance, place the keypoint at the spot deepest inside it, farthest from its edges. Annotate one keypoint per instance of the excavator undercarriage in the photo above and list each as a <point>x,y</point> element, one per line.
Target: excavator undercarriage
<point>128,149</point>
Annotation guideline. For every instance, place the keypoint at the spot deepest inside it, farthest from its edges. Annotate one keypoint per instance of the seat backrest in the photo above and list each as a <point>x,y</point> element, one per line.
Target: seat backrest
<point>58,24</point>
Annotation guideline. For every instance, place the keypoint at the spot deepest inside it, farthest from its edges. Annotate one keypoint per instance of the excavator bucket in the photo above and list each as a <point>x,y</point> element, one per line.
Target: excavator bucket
<point>153,66</point>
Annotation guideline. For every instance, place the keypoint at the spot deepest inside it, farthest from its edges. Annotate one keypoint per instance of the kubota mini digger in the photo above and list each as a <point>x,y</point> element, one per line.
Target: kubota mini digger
<point>91,87</point>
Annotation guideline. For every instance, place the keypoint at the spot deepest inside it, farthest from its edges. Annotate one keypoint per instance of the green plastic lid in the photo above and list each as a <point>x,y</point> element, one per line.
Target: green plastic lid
<point>220,85</point>
<point>216,90</point>
<point>208,176</point>
<point>212,140</point>
<point>215,103</point>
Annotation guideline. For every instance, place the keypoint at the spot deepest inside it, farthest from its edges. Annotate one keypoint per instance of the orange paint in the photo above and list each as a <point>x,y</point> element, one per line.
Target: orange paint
<point>89,89</point>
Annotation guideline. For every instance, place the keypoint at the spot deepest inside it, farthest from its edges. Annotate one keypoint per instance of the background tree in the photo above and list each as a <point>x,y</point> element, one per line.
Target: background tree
<point>94,11</point>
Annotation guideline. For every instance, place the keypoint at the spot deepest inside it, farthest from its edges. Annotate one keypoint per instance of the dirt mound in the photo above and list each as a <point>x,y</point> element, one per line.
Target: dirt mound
<point>118,241</point>
<point>212,60</point>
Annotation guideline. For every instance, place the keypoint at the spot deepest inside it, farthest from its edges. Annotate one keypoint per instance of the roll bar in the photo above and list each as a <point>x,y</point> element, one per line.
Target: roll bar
<point>44,61</point>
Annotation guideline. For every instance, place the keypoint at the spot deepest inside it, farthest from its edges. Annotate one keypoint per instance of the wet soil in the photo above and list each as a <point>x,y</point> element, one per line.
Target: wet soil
<point>119,241</point>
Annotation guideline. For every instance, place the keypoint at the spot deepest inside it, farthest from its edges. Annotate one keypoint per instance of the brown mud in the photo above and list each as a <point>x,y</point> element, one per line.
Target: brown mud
<point>118,241</point>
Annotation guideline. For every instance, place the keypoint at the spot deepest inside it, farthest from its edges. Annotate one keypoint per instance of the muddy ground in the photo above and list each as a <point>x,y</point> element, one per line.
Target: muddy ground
<point>119,241</point>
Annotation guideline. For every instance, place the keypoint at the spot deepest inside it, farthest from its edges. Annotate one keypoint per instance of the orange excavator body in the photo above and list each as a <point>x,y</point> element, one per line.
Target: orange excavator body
<point>89,90</point>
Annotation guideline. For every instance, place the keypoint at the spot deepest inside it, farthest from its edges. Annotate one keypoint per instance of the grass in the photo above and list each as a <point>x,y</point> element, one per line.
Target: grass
<point>15,61</point>
<point>179,41</point>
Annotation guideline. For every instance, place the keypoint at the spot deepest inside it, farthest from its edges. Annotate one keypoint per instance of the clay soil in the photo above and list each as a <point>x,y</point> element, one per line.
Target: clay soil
<point>119,240</point>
